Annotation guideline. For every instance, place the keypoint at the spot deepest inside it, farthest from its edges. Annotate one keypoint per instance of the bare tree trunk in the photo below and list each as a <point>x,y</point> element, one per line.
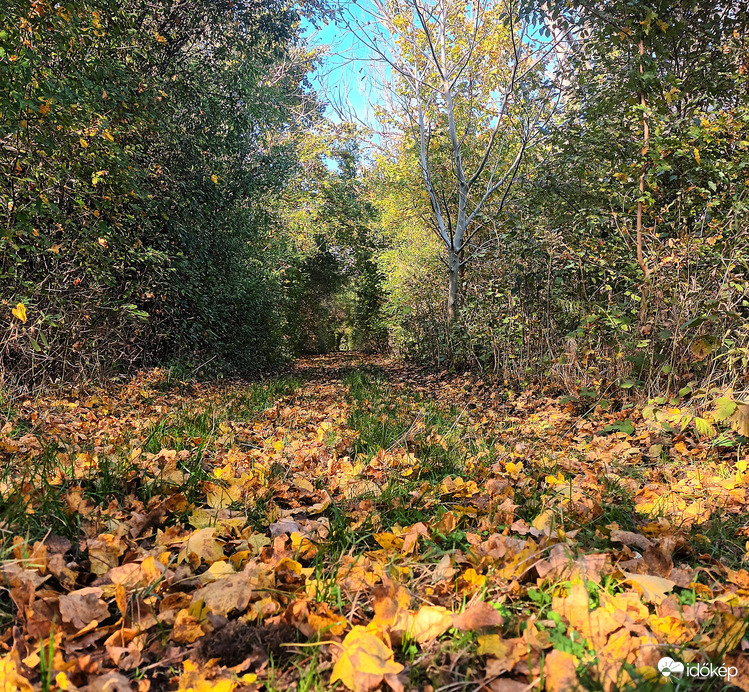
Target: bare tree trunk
<point>453,293</point>
<point>440,54</point>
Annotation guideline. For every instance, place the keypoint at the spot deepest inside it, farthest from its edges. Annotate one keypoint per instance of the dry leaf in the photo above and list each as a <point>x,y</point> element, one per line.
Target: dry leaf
<point>364,662</point>
<point>476,616</point>
<point>653,589</point>
<point>82,607</point>
<point>429,623</point>
<point>559,671</point>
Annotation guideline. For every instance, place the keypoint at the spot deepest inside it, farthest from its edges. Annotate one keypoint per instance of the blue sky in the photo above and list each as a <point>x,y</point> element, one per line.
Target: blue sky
<point>342,74</point>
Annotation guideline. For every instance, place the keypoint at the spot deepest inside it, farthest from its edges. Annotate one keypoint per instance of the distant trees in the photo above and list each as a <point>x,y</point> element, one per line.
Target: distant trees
<point>337,291</point>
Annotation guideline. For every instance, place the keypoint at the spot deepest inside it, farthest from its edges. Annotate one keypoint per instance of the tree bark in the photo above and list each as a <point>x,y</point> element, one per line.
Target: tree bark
<point>645,290</point>
<point>453,293</point>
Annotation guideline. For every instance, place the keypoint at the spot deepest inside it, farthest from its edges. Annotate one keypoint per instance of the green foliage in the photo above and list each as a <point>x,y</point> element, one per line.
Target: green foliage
<point>555,285</point>
<point>141,151</point>
<point>336,287</point>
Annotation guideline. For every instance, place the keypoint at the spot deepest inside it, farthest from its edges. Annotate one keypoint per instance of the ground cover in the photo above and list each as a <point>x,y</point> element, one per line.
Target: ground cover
<point>357,523</point>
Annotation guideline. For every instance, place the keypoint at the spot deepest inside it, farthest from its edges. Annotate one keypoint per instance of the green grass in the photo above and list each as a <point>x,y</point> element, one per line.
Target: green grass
<point>33,503</point>
<point>260,397</point>
<point>720,539</point>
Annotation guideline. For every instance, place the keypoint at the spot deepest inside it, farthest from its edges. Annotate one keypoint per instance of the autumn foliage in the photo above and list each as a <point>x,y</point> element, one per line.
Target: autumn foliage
<point>360,524</point>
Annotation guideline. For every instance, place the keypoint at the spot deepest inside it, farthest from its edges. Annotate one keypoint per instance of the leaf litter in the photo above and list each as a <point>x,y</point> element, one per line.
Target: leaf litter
<point>362,525</point>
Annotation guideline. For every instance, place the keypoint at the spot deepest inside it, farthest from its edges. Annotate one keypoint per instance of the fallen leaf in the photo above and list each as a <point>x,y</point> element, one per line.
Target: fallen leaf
<point>227,594</point>
<point>429,623</point>
<point>364,662</point>
<point>202,546</point>
<point>653,589</point>
<point>82,607</point>
<point>477,616</point>
<point>10,678</point>
<point>559,671</point>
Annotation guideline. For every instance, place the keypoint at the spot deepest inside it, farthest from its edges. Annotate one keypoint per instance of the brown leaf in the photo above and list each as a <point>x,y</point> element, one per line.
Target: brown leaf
<point>476,616</point>
<point>411,539</point>
<point>509,685</point>
<point>630,538</point>
<point>82,607</point>
<point>227,594</point>
<point>186,629</point>
<point>104,552</point>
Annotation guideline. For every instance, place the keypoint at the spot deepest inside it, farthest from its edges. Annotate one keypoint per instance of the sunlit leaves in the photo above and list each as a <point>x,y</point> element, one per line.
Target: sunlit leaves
<point>365,661</point>
<point>595,547</point>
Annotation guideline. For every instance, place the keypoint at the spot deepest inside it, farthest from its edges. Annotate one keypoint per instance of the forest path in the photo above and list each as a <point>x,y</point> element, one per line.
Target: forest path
<point>362,521</point>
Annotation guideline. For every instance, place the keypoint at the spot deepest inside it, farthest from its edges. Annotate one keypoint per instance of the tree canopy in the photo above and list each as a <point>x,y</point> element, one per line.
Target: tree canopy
<point>553,188</point>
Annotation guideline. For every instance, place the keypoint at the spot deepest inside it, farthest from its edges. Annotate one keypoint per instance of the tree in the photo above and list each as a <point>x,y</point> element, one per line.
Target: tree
<point>465,82</point>
<point>658,68</point>
<point>141,150</point>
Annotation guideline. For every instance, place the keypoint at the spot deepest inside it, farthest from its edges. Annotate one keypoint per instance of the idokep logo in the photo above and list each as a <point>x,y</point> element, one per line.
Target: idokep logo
<point>668,668</point>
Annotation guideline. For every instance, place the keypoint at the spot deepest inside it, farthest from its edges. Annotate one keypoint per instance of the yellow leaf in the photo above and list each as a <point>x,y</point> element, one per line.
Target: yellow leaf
<point>389,541</point>
<point>10,678</point>
<point>653,589</point>
<point>493,645</point>
<point>303,484</point>
<point>671,629</point>
<point>186,628</point>
<point>543,522</point>
<point>325,620</point>
<point>287,563</point>
<point>471,580</point>
<point>514,469</point>
<point>19,312</point>
<point>83,142</point>
<point>303,546</point>
<point>202,546</point>
<point>108,136</point>
<point>151,570</point>
<point>728,635</point>
<point>365,661</point>
<point>429,623</point>
<point>192,680</point>
<point>214,178</point>
<point>64,684</point>
<point>697,154</point>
